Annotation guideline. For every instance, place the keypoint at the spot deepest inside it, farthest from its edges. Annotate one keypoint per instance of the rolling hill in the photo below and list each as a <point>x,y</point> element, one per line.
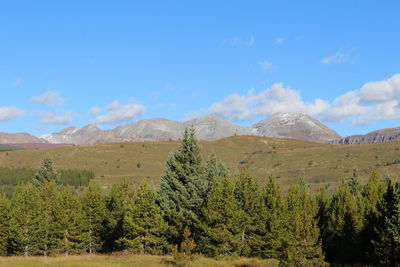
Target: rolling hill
<point>323,164</point>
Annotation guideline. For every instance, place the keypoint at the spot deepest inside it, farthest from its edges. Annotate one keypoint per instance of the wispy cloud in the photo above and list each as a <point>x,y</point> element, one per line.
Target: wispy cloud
<point>239,41</point>
<point>117,113</point>
<point>58,118</point>
<point>94,111</point>
<point>49,98</point>
<point>16,82</point>
<point>265,65</point>
<point>279,40</point>
<point>339,58</point>
<point>10,113</point>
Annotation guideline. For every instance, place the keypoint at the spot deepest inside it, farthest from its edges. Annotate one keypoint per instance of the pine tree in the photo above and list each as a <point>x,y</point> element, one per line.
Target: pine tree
<point>323,199</point>
<point>220,229</point>
<point>50,212</point>
<point>344,226</point>
<point>71,223</point>
<point>302,245</point>
<point>180,196</point>
<point>117,205</point>
<point>213,172</point>
<point>93,206</point>
<point>46,172</point>
<point>273,214</point>
<point>25,230</point>
<point>4,225</point>
<point>248,197</point>
<point>386,229</point>
<point>372,197</point>
<point>143,226</point>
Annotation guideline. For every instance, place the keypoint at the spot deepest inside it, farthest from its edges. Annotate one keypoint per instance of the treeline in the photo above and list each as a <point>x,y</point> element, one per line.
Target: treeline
<point>11,177</point>
<point>198,209</point>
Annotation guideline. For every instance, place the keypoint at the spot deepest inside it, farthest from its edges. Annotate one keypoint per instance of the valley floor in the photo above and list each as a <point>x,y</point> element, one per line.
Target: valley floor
<point>129,260</point>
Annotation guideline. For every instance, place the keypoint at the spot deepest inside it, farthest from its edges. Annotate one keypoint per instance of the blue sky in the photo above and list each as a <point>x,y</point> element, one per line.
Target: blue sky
<point>66,63</point>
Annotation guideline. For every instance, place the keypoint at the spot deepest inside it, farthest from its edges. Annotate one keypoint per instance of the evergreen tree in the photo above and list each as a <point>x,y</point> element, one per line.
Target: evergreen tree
<point>345,224</point>
<point>302,246</point>
<point>117,205</point>
<point>372,197</point>
<point>50,212</point>
<point>4,225</point>
<point>46,172</point>
<point>71,223</point>
<point>25,230</point>
<point>354,182</point>
<point>220,229</point>
<point>213,172</point>
<point>273,214</point>
<point>248,197</point>
<point>324,199</point>
<point>143,226</point>
<point>386,229</point>
<point>180,196</point>
<point>93,206</point>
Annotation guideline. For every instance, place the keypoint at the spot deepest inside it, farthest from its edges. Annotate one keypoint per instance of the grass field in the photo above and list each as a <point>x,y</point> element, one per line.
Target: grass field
<point>131,260</point>
<point>323,164</point>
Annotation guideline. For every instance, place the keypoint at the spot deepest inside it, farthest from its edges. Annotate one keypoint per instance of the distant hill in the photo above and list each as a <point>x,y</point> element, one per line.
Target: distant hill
<point>322,164</point>
<point>378,136</point>
<point>282,125</point>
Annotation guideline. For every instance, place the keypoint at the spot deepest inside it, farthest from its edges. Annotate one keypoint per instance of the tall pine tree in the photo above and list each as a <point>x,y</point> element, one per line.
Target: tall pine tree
<point>220,229</point>
<point>25,230</point>
<point>302,245</point>
<point>143,226</point>
<point>46,172</point>
<point>93,206</point>
<point>4,225</point>
<point>180,196</point>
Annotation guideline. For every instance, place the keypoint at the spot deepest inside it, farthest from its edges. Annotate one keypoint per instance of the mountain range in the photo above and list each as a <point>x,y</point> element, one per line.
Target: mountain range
<point>281,125</point>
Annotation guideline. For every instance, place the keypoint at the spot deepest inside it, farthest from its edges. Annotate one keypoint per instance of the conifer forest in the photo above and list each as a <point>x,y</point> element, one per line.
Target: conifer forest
<point>200,208</point>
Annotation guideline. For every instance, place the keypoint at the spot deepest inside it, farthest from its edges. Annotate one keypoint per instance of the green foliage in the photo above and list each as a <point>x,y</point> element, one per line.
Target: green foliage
<point>143,226</point>
<point>25,230</point>
<point>93,217</point>
<point>180,196</point>
<point>184,254</point>
<point>302,245</point>
<point>46,172</point>
<point>345,223</point>
<point>117,204</point>
<point>248,198</point>
<point>220,226</point>
<point>50,212</point>
<point>4,225</point>
<point>71,223</point>
<point>273,215</point>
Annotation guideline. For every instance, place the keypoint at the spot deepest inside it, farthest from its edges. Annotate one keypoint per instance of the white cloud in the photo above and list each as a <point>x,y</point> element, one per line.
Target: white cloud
<point>380,91</point>
<point>54,117</point>
<point>275,99</point>
<point>239,41</point>
<point>10,113</point>
<point>94,111</point>
<point>279,40</point>
<point>49,98</point>
<point>265,65</point>
<point>117,113</point>
<point>372,102</point>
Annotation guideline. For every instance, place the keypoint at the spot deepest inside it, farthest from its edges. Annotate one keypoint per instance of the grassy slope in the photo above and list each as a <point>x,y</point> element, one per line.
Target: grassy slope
<point>323,164</point>
<point>133,260</point>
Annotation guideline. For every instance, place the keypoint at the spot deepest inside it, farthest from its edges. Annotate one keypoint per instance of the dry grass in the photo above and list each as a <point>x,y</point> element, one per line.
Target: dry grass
<point>129,260</point>
<point>324,165</point>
